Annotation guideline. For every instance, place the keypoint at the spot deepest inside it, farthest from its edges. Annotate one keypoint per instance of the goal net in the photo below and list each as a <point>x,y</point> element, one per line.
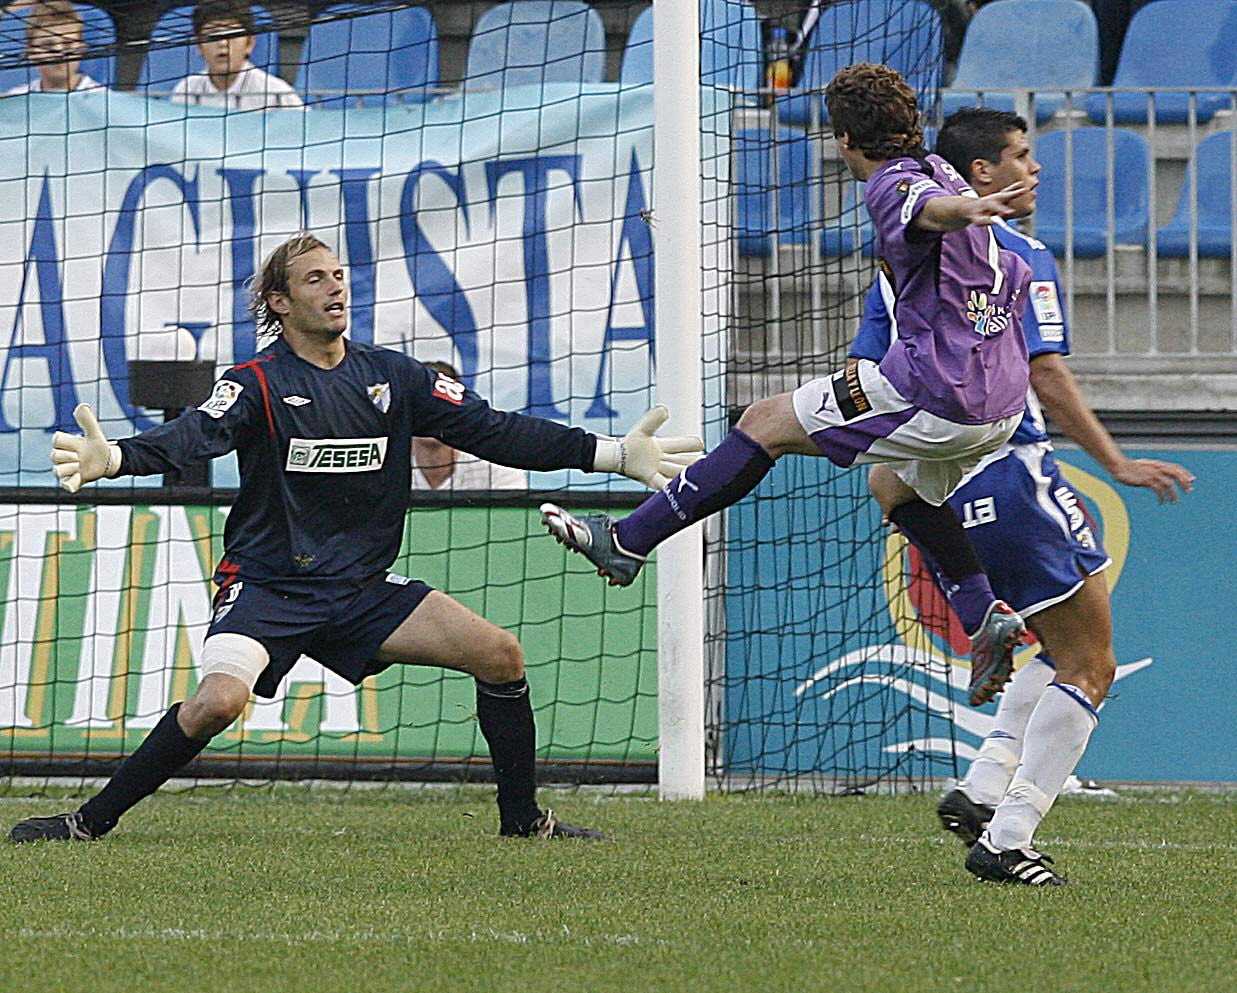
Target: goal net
<point>486,175</point>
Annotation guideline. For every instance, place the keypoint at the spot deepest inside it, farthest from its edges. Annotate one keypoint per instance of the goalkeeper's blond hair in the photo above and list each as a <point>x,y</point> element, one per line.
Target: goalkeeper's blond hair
<point>273,278</point>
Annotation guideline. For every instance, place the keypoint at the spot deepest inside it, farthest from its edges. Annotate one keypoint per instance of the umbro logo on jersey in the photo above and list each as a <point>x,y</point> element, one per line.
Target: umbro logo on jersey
<point>295,401</point>
<point>336,455</point>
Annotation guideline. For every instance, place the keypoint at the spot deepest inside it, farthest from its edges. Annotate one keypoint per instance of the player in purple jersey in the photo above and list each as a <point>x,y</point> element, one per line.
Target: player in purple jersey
<point>949,391</point>
<point>323,428</point>
<point>1036,543</point>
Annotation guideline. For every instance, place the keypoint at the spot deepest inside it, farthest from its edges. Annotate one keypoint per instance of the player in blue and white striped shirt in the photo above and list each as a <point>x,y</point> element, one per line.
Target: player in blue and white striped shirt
<point>1034,539</point>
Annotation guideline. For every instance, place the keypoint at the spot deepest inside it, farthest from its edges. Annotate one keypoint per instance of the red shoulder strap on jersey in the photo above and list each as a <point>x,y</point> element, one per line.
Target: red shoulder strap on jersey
<point>256,366</point>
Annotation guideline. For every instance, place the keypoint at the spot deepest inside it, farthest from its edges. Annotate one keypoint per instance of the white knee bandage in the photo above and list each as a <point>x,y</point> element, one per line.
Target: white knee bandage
<point>234,655</point>
<point>997,751</point>
<point>1024,789</point>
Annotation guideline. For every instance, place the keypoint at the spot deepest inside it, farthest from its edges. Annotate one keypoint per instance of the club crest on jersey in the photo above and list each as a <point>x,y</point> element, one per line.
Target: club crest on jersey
<point>446,388</point>
<point>221,399</point>
<point>336,454</point>
<point>380,396</point>
<point>988,318</point>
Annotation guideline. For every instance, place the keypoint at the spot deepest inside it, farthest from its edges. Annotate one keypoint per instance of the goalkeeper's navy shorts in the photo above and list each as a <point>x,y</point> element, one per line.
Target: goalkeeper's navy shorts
<point>1031,530</point>
<point>339,624</point>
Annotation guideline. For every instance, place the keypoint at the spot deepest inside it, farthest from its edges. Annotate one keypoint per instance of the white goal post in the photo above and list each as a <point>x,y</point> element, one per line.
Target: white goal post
<point>677,275</point>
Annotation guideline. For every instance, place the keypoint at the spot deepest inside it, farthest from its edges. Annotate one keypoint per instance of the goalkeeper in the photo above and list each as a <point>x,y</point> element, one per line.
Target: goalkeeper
<point>323,430</point>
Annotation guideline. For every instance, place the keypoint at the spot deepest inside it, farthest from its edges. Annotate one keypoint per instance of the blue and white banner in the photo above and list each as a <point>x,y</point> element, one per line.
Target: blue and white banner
<point>837,664</point>
<point>506,232</point>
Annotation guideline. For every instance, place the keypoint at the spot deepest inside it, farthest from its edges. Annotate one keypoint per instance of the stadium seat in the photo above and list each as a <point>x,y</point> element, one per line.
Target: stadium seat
<point>758,224</point>
<point>534,42</point>
<point>798,215</point>
<point>1213,162</point>
<point>851,230</point>
<point>1092,180</point>
<point>905,34</point>
<point>163,68</point>
<point>1057,49</point>
<point>731,53</point>
<point>97,29</point>
<point>1173,43</point>
<point>393,55</point>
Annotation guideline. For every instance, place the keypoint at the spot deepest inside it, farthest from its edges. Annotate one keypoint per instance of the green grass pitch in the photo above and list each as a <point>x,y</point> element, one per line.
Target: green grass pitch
<point>393,889</point>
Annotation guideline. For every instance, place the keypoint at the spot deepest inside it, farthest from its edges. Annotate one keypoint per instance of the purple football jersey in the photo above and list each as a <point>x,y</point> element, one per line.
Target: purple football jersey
<point>960,352</point>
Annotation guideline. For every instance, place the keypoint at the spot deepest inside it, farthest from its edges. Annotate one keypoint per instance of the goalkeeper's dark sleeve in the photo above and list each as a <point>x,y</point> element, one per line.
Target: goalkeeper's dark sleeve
<point>204,433</point>
<point>444,409</point>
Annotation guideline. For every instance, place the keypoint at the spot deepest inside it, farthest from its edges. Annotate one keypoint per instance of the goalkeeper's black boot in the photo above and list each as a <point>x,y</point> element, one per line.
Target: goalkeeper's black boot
<point>549,826</point>
<point>963,816</point>
<point>62,827</point>
<point>593,537</point>
<point>1023,866</point>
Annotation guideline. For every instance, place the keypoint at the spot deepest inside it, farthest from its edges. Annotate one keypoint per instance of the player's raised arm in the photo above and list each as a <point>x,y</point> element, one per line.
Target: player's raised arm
<point>446,410</point>
<point>204,433</point>
<point>952,213</point>
<point>1063,401</point>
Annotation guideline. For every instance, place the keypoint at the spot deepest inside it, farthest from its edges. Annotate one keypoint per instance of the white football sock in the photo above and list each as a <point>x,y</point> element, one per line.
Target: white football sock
<point>1056,737</point>
<point>991,771</point>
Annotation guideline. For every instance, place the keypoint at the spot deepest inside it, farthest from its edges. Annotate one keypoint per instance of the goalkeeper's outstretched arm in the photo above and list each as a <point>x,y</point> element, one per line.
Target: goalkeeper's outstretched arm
<point>445,409</point>
<point>204,433</point>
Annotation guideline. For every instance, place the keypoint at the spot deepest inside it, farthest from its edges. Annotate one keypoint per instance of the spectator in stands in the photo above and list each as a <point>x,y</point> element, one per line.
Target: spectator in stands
<point>1112,18</point>
<point>225,33</point>
<point>438,466</point>
<point>55,46</point>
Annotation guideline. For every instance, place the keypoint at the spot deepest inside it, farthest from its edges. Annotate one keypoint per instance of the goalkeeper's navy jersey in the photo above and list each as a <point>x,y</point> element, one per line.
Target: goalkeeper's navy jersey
<point>325,455</point>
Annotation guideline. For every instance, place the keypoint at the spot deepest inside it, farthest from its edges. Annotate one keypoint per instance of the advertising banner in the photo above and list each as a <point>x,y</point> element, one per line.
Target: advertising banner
<point>817,651</point>
<point>507,232</point>
<point>105,610</point>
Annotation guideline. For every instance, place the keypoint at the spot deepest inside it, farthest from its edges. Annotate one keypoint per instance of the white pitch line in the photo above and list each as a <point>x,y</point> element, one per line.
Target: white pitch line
<point>1128,846</point>
<point>564,936</point>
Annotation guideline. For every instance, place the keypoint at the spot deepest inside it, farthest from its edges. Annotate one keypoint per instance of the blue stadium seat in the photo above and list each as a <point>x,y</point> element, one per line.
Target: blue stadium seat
<point>758,224</point>
<point>1213,162</point>
<point>394,53</point>
<point>1131,162</point>
<point>731,53</point>
<point>97,31</point>
<point>792,213</point>
<point>852,230</point>
<point>1041,45</point>
<point>1174,43</point>
<point>637,66</point>
<point>905,34</point>
<point>163,68</point>
<point>536,41</point>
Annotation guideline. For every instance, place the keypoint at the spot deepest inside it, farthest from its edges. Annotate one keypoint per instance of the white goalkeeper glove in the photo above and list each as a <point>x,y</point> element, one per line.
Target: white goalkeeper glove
<point>83,458</point>
<point>642,456</point>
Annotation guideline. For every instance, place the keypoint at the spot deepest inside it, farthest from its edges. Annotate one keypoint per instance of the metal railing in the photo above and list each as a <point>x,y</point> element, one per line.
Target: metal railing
<point>1145,304</point>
